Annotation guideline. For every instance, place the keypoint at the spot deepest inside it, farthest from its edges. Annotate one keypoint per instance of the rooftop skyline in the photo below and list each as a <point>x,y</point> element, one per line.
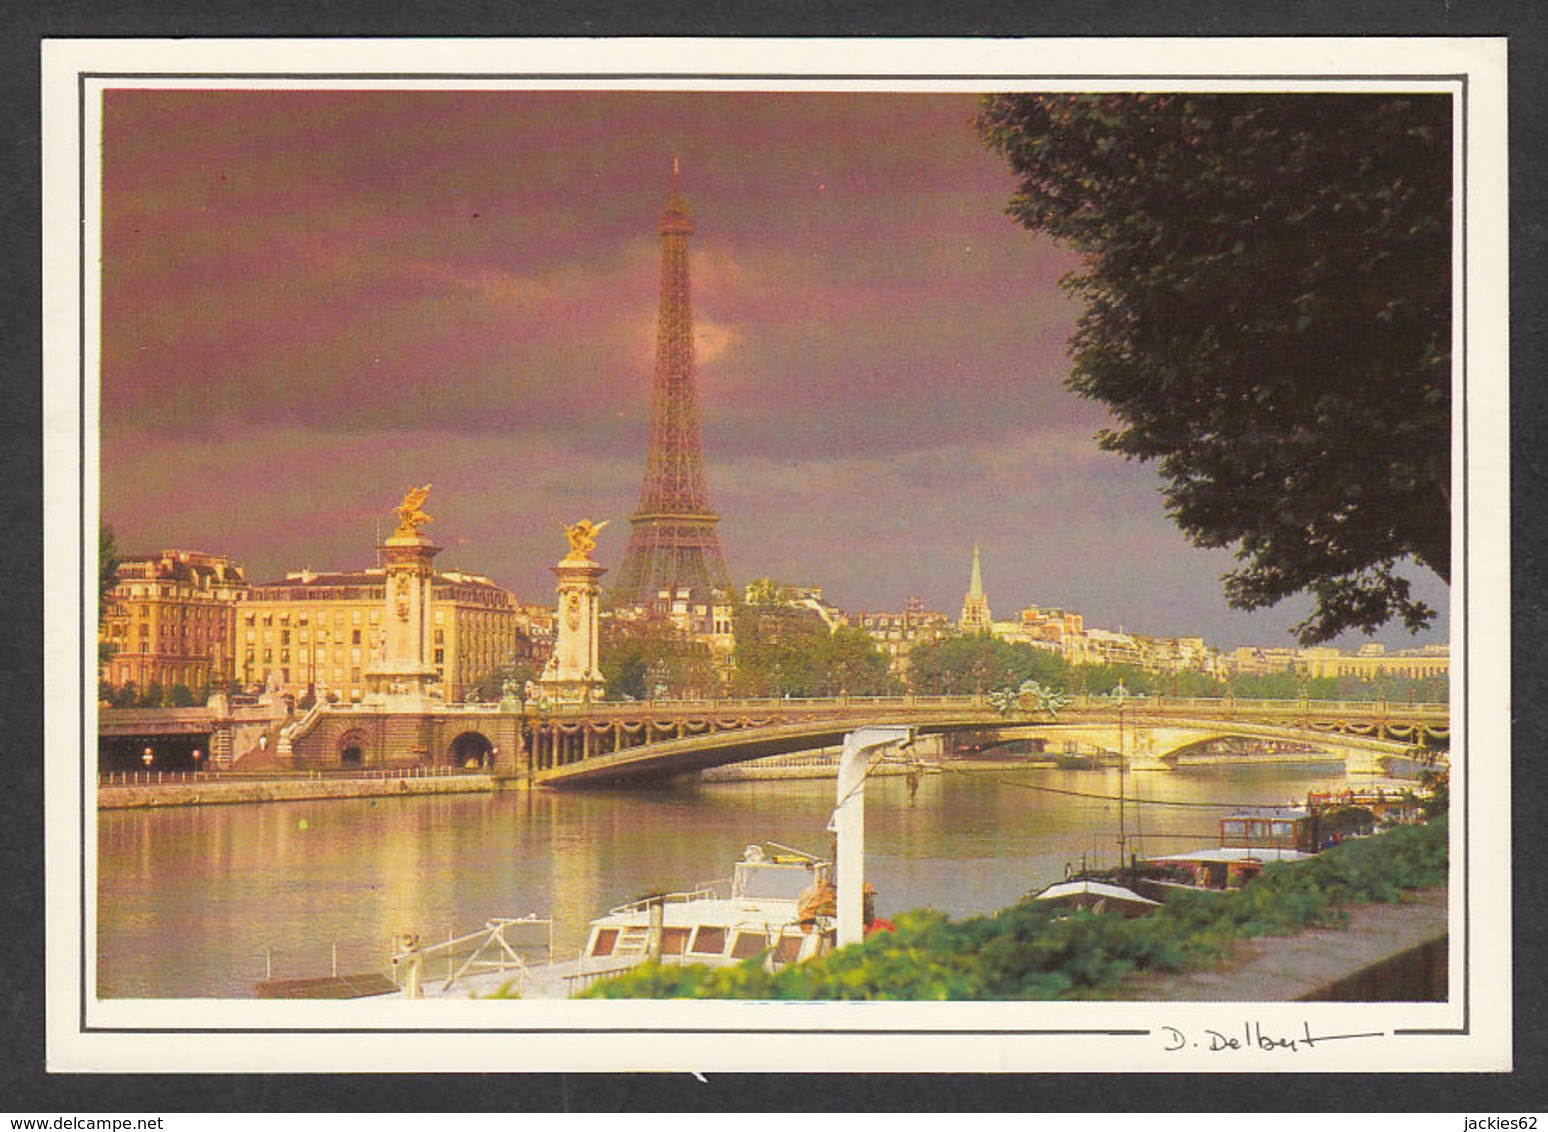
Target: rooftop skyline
<point>313,299</point>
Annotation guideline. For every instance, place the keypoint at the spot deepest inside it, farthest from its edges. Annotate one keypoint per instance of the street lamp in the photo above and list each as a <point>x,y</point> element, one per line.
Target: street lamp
<point>521,725</point>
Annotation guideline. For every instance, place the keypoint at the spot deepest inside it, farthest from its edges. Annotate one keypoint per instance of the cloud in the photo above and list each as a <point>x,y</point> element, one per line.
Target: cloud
<point>314,299</point>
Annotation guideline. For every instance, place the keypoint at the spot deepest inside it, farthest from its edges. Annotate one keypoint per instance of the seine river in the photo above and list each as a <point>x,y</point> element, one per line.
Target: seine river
<point>200,901</point>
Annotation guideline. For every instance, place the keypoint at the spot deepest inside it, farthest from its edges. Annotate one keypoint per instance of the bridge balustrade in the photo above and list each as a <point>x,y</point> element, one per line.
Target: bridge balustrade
<point>1133,703</point>
<point>541,736</point>
<point>564,735</point>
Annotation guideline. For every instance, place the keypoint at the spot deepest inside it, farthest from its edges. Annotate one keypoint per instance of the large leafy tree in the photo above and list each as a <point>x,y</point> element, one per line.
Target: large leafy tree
<point>978,662</point>
<point>1267,289</point>
<point>784,648</point>
<point>644,658</point>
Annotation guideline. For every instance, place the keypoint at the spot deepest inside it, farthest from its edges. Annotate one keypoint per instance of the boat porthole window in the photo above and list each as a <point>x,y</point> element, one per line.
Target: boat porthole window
<point>674,941</point>
<point>606,938</point>
<point>709,940</point>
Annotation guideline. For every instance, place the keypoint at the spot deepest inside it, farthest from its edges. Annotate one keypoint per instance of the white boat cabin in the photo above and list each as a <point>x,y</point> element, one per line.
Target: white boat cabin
<point>772,906</point>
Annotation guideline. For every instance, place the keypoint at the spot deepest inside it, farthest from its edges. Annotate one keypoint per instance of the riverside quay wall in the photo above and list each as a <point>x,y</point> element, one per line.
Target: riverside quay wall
<point>217,790</point>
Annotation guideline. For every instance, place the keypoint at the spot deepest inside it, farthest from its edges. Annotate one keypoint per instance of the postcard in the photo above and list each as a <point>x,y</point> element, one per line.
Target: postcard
<point>716,555</point>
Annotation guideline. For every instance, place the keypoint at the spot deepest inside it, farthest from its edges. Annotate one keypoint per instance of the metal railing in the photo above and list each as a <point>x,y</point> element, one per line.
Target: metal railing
<point>1161,704</point>
<point>481,952</point>
<point>332,774</point>
<point>712,890</point>
<point>158,777</point>
<point>581,980</point>
<point>533,708</point>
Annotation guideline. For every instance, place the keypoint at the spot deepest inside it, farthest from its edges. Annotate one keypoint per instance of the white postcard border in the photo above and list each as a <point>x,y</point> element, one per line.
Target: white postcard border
<point>1472,1031</point>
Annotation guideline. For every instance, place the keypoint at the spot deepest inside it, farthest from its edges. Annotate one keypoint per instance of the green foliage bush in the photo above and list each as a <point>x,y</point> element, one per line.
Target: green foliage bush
<point>784,648</point>
<point>1033,951</point>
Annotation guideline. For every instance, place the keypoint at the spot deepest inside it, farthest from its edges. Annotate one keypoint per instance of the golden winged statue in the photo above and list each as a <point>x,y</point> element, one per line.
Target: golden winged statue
<point>583,537</point>
<point>410,515</point>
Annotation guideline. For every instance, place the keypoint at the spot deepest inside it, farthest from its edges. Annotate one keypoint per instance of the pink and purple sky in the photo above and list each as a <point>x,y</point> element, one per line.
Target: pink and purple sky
<point>315,299</point>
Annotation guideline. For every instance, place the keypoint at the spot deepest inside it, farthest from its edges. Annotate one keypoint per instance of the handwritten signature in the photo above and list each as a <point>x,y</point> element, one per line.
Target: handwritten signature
<point>1252,1035</point>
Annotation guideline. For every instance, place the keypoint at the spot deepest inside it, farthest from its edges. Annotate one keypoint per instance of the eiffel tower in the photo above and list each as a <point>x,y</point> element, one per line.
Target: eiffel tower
<point>672,543</point>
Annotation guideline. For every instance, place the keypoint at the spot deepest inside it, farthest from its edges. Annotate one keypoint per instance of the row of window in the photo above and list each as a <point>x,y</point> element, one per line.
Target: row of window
<point>706,939</point>
<point>267,619</point>
<point>185,593</point>
<point>1414,672</point>
<point>1258,830</point>
<point>199,634</point>
<point>900,622</point>
<point>472,620</point>
<point>321,646</point>
<point>321,675</point>
<point>302,637</point>
<point>210,612</point>
<point>320,655</point>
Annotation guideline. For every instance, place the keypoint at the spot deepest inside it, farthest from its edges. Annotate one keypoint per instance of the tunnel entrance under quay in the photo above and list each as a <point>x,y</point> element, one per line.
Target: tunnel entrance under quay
<point>370,742</point>
<point>469,750</point>
<point>472,750</point>
<point>173,753</point>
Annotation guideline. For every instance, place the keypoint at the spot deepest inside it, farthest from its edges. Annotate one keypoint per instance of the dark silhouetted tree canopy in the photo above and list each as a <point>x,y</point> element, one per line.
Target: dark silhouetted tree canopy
<point>1267,281</point>
<point>107,578</point>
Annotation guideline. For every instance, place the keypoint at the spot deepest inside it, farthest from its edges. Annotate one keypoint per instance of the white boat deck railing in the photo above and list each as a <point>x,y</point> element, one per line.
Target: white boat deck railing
<point>713,890</point>
<point>574,984</point>
<point>503,944</point>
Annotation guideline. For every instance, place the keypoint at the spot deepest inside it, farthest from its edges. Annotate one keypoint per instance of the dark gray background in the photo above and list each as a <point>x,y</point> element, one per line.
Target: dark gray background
<point>25,1086</point>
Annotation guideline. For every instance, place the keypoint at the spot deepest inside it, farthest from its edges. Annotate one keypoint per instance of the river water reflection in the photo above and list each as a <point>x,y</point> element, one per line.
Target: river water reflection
<point>202,901</point>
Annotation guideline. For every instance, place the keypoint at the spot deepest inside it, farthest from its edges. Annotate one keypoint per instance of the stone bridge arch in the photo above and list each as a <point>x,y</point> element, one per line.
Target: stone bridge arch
<point>468,748</point>
<point>1307,746</point>
<point>490,740</point>
<point>1158,742</point>
<point>352,748</point>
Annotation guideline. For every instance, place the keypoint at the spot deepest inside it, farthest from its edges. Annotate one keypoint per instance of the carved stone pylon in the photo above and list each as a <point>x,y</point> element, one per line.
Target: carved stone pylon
<point>571,674</point>
<point>403,668</point>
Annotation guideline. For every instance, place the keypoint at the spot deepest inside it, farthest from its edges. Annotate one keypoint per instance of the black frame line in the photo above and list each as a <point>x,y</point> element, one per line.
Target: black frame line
<point>617,1030</point>
<point>1460,212</point>
<point>773,76</point>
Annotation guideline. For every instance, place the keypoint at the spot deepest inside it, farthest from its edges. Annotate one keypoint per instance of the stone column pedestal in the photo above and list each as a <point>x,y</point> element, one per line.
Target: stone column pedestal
<point>571,675</point>
<point>403,674</point>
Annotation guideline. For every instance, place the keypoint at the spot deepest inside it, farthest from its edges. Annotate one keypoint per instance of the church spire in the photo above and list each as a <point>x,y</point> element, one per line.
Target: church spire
<point>975,606</point>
